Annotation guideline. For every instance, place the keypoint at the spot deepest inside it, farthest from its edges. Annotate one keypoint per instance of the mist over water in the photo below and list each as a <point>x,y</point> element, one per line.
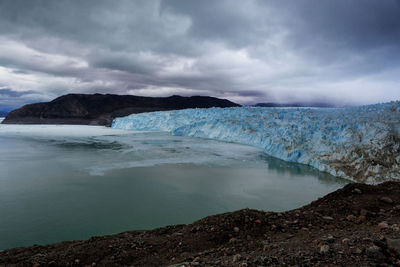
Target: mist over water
<point>72,182</point>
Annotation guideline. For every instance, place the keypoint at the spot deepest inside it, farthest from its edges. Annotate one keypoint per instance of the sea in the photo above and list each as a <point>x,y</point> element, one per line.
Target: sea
<point>69,182</point>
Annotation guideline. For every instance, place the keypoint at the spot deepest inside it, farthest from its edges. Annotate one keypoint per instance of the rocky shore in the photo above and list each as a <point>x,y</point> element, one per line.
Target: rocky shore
<point>354,226</point>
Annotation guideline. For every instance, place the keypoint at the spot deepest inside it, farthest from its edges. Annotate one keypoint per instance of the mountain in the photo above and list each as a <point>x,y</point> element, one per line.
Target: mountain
<point>296,105</point>
<point>3,113</point>
<point>99,109</point>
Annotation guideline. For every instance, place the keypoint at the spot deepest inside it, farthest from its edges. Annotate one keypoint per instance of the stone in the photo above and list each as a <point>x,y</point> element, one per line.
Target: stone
<point>363,212</point>
<point>236,258</point>
<point>345,241</point>
<point>356,190</point>
<point>394,245</point>
<point>329,218</point>
<point>386,200</point>
<point>330,227</point>
<point>182,264</point>
<point>330,239</point>
<point>236,229</point>
<point>351,218</point>
<point>232,240</point>
<point>360,219</point>
<point>357,251</point>
<point>257,221</point>
<point>382,225</point>
<point>324,249</point>
<point>197,259</point>
<point>374,252</point>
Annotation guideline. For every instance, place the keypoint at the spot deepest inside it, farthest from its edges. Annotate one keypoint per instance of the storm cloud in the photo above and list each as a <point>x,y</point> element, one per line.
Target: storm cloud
<point>342,52</point>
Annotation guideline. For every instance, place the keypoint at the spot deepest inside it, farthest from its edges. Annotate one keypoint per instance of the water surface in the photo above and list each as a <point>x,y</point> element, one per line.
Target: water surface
<point>72,182</point>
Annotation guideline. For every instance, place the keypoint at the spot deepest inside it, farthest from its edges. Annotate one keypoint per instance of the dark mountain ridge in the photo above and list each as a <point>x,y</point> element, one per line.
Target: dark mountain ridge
<point>100,109</point>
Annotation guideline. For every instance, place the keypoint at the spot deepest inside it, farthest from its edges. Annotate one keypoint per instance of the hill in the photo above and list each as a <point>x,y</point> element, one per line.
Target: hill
<point>99,109</point>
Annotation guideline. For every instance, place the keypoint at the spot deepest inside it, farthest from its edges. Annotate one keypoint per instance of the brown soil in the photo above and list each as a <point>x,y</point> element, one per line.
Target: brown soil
<point>354,226</point>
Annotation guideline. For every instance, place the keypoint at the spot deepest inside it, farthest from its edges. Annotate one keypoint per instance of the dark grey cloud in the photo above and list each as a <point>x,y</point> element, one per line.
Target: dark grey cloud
<point>358,25</point>
<point>7,92</point>
<point>236,23</point>
<point>332,32</point>
<point>10,98</point>
<point>248,51</point>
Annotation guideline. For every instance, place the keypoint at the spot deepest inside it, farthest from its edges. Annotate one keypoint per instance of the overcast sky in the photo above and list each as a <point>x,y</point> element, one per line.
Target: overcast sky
<point>248,51</point>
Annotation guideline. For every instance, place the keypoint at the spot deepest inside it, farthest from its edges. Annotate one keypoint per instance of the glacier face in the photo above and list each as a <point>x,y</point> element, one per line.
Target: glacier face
<point>357,143</point>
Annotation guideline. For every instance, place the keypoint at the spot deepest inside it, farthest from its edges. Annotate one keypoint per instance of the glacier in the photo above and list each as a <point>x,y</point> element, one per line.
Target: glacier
<point>357,143</point>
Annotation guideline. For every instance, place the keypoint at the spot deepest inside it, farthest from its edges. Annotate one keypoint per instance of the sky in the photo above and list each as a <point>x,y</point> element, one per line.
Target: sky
<point>341,52</point>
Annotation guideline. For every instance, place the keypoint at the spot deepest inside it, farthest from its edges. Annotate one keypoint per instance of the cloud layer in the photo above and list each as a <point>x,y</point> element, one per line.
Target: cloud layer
<point>343,52</point>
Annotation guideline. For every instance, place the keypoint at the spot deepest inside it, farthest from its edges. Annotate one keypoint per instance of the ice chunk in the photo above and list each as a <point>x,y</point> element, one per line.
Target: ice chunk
<point>357,143</point>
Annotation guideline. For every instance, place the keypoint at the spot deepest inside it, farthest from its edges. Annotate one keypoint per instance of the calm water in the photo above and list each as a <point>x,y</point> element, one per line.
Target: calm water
<point>72,182</point>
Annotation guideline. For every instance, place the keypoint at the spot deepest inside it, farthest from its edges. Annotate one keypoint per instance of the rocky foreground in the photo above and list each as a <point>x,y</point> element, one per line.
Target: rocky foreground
<point>354,226</point>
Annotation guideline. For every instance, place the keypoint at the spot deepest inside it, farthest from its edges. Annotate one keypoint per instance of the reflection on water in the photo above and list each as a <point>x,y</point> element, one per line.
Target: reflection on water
<point>282,167</point>
<point>55,187</point>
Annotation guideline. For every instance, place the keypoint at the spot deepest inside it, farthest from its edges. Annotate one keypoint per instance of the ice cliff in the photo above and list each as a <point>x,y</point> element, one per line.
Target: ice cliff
<point>357,143</point>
